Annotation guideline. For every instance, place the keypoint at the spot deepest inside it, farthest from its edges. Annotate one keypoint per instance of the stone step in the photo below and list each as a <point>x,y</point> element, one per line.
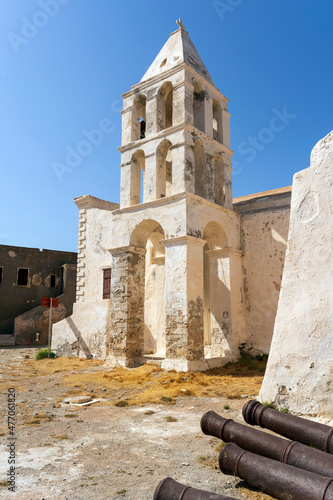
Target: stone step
<point>7,340</point>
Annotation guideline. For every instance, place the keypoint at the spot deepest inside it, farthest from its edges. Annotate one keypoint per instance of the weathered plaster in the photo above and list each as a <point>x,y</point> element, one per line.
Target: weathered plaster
<point>299,374</point>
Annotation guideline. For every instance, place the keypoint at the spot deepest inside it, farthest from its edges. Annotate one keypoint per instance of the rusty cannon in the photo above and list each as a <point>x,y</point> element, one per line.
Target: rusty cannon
<point>299,429</point>
<point>169,489</point>
<point>261,443</point>
<point>282,481</point>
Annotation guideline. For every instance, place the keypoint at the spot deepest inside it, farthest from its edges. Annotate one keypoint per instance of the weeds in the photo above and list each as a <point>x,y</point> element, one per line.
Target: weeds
<point>171,419</point>
<point>121,403</point>
<point>44,354</point>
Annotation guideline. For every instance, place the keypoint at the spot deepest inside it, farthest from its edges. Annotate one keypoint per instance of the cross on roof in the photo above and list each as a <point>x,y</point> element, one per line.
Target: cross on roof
<point>180,24</point>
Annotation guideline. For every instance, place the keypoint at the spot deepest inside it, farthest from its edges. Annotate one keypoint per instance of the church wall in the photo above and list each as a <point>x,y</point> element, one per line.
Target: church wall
<point>264,234</point>
<point>85,332</point>
<point>168,212</point>
<point>99,239</point>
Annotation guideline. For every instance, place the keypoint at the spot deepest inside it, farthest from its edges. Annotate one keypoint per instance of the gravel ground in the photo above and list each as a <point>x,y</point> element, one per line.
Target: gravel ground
<point>106,452</point>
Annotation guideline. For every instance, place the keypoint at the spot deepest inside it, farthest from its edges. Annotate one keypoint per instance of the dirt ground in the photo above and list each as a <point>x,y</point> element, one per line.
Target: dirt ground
<point>103,451</point>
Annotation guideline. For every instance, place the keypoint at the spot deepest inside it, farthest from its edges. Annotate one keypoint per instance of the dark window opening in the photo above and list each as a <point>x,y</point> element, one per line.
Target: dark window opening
<point>142,128</point>
<point>53,281</point>
<point>1,275</point>
<point>106,283</point>
<point>22,276</point>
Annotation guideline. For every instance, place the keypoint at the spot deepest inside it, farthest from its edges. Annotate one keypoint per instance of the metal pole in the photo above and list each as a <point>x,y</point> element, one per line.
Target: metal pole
<point>50,323</point>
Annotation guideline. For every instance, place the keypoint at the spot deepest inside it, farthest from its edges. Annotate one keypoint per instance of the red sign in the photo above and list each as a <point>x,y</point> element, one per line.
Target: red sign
<point>45,302</point>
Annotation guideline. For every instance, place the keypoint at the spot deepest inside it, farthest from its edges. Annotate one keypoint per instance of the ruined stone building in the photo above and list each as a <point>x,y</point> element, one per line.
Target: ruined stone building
<point>180,271</point>
<point>26,275</point>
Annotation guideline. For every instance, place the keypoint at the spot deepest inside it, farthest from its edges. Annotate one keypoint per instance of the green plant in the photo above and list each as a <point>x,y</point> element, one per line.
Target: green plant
<point>266,403</point>
<point>171,419</point>
<point>284,410</point>
<point>166,399</point>
<point>226,407</point>
<point>44,354</point>
<point>121,492</point>
<point>122,403</point>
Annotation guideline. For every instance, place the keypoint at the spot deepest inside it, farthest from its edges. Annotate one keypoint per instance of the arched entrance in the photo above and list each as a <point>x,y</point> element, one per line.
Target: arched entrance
<point>148,236</point>
<point>217,296</point>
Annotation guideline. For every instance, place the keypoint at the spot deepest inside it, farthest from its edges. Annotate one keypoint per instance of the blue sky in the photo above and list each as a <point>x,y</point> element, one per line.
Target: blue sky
<point>65,63</point>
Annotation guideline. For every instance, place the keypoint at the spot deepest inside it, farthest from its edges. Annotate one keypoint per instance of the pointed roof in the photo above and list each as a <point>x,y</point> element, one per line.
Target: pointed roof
<point>178,49</point>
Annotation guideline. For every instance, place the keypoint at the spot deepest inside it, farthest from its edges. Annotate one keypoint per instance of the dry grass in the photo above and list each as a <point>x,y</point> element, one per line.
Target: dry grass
<point>150,384</point>
<point>143,385</point>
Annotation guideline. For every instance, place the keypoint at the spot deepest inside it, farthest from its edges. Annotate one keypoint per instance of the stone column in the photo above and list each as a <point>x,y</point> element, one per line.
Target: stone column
<point>226,128</point>
<point>127,305</point>
<point>150,179</point>
<point>184,289</point>
<point>227,181</point>
<point>209,116</point>
<point>129,179</point>
<point>183,166</point>
<point>151,116</point>
<point>126,136</point>
<point>183,103</point>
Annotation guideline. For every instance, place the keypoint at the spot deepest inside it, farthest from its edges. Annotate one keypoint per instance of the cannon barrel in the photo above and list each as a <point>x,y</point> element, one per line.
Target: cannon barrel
<point>282,481</point>
<point>261,443</point>
<point>169,489</point>
<point>299,429</point>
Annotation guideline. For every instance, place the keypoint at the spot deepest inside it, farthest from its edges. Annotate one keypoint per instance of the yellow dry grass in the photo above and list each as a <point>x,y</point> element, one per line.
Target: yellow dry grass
<point>150,384</point>
<point>145,384</point>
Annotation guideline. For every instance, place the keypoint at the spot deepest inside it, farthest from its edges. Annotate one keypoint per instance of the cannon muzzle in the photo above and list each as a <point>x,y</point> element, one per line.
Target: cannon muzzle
<point>277,479</point>
<point>261,443</point>
<point>299,429</point>
<point>169,489</point>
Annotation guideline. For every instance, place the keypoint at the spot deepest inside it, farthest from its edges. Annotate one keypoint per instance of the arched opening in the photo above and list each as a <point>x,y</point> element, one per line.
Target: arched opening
<point>149,235</point>
<point>165,106</point>
<point>164,169</point>
<point>199,169</point>
<point>137,177</point>
<point>217,121</point>
<point>217,300</point>
<point>219,179</point>
<point>198,107</point>
<point>139,118</point>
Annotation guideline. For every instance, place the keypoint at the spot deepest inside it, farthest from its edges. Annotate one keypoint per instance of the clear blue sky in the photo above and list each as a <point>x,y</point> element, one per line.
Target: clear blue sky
<point>64,71</point>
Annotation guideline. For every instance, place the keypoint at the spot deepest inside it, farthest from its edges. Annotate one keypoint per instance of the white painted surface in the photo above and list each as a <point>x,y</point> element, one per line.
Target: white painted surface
<point>300,369</point>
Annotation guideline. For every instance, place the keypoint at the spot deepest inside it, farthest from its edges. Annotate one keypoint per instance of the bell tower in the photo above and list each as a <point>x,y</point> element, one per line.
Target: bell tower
<point>175,238</point>
<point>175,130</point>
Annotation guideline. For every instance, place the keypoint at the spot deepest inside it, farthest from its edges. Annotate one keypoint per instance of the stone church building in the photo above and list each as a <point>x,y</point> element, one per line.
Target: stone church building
<point>180,272</point>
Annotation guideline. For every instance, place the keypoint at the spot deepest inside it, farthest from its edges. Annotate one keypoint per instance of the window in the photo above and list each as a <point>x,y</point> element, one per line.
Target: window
<point>199,107</point>
<point>217,121</point>
<point>53,281</point>
<point>1,274</point>
<point>22,276</point>
<point>106,283</point>
<point>165,106</point>
<point>142,128</point>
<point>199,169</point>
<point>139,118</point>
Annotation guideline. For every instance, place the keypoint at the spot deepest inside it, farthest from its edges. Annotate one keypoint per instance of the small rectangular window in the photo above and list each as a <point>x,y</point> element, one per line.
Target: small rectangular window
<point>53,281</point>
<point>106,283</point>
<point>22,276</point>
<point>1,274</point>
